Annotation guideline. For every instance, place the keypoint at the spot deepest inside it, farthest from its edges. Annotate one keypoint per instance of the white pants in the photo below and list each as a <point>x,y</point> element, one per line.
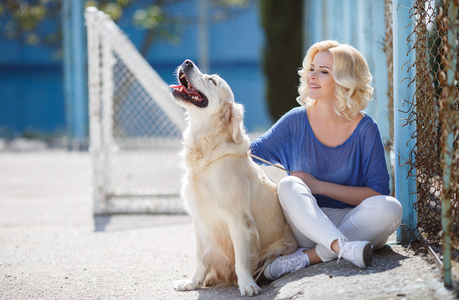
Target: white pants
<point>373,220</point>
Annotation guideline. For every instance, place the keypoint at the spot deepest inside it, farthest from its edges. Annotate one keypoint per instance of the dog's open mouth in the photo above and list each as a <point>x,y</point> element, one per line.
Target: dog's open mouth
<point>187,92</point>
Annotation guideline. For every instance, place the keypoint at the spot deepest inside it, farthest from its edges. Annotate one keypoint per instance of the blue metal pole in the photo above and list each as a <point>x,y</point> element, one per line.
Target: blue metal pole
<point>381,100</point>
<point>74,63</point>
<point>203,36</point>
<point>405,185</point>
<point>79,78</point>
<point>67,65</point>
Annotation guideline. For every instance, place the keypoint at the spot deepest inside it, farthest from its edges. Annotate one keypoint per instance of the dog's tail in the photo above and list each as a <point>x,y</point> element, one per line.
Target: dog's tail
<point>258,272</point>
<point>271,254</point>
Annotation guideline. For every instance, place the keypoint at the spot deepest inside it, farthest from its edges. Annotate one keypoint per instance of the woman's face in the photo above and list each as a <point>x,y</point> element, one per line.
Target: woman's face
<point>320,80</point>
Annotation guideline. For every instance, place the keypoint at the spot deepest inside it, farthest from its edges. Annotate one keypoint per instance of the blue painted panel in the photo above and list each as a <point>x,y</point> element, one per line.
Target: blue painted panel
<point>16,53</point>
<point>247,83</point>
<point>238,38</point>
<point>32,85</point>
<point>31,88</point>
<point>32,100</point>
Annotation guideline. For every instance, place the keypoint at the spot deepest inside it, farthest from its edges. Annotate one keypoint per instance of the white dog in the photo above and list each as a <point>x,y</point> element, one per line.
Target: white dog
<point>237,217</point>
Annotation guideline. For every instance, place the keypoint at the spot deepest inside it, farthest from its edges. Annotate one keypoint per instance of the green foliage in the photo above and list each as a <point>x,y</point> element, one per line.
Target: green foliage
<point>23,19</point>
<point>20,19</point>
<point>283,53</point>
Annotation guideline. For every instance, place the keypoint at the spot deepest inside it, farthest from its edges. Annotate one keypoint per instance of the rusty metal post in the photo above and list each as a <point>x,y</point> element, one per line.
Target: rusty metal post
<point>449,140</point>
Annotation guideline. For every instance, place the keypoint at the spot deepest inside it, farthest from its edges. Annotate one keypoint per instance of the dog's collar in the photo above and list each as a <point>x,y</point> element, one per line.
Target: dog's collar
<point>225,155</point>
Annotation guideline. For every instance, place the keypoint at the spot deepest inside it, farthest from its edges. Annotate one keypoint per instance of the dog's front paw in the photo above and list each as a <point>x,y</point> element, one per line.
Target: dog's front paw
<point>250,289</point>
<point>186,285</point>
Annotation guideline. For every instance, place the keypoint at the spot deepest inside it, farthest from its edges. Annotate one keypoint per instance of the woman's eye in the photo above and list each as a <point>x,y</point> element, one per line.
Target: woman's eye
<point>312,70</point>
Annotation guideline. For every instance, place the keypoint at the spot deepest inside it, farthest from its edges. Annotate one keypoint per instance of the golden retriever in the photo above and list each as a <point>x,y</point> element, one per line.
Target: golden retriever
<point>237,217</point>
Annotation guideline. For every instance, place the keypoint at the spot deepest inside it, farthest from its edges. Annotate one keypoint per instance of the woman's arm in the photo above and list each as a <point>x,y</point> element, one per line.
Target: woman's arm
<point>353,195</point>
<point>274,145</point>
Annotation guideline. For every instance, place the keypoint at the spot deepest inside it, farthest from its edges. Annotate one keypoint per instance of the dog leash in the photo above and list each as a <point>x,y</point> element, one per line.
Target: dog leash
<point>269,163</point>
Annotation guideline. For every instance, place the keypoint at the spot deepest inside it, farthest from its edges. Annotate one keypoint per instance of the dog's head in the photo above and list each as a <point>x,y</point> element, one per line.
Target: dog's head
<point>208,98</point>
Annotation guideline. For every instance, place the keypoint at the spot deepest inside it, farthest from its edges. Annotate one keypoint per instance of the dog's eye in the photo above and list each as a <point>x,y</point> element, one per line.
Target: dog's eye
<point>212,80</point>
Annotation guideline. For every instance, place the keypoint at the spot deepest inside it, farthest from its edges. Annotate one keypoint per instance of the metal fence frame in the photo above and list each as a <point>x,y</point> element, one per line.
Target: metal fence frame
<point>107,46</point>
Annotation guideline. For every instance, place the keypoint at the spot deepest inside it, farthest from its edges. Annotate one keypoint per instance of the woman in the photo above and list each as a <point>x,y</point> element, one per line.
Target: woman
<point>336,200</point>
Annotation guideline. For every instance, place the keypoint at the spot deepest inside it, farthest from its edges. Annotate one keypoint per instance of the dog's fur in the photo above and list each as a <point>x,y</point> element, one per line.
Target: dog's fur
<point>237,217</point>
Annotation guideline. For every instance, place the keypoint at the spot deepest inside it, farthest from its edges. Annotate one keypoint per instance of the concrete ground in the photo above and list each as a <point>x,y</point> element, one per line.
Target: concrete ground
<point>51,247</point>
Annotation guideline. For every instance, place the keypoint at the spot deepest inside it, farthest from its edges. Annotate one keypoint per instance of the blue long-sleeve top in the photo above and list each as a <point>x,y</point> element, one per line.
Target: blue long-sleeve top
<point>359,161</point>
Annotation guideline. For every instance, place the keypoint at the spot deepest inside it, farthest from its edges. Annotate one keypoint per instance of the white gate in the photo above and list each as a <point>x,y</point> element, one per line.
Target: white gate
<point>135,127</point>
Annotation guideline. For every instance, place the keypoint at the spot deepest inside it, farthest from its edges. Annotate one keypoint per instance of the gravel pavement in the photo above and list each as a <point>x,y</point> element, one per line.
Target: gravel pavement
<point>51,247</point>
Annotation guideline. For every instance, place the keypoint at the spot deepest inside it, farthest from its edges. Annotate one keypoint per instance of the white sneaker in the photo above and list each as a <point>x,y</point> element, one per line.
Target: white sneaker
<point>359,253</point>
<point>286,264</point>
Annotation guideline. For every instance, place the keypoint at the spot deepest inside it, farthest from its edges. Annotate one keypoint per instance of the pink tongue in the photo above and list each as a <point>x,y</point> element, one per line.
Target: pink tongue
<point>183,89</point>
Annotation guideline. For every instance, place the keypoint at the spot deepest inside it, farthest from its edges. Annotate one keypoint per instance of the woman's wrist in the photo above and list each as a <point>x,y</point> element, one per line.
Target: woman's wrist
<point>321,187</point>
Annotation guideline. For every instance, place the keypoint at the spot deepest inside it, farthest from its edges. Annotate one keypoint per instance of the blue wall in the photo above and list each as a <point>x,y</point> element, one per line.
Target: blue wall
<point>31,78</point>
<point>31,91</point>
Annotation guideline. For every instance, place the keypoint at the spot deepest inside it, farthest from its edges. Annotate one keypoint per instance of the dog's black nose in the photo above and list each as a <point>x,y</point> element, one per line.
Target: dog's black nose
<point>188,64</point>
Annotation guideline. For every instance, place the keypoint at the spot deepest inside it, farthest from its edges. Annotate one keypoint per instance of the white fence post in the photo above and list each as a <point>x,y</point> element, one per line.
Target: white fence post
<point>94,113</point>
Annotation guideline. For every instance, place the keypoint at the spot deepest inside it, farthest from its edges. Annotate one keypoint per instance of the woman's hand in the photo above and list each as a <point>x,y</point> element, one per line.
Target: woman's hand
<point>314,184</point>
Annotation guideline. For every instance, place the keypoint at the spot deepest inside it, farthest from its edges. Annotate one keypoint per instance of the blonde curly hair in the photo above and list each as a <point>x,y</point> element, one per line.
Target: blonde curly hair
<point>350,72</point>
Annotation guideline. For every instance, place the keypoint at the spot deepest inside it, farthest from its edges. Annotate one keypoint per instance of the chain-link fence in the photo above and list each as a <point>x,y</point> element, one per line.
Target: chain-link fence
<point>434,113</point>
<point>136,127</point>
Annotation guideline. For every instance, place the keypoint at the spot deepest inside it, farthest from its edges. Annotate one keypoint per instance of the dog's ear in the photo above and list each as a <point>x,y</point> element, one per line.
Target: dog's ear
<point>231,118</point>
<point>236,122</point>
